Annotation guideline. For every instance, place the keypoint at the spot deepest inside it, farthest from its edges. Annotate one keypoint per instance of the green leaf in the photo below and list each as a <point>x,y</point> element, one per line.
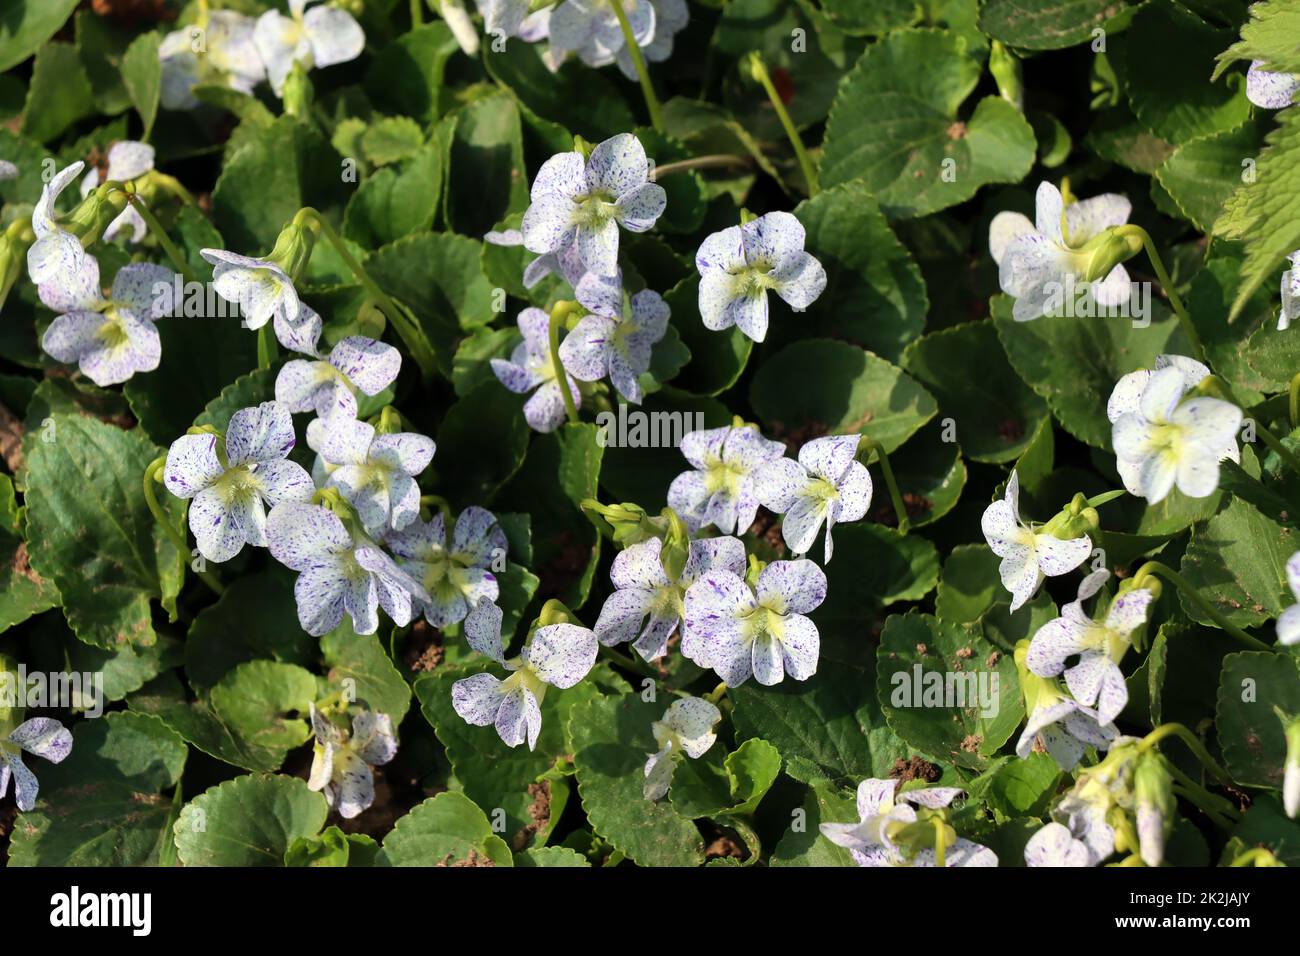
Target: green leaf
<point>486,178</point>
<point>944,691</point>
<point>392,203</point>
<point>717,358</point>
<point>1044,24</point>
<point>58,95</point>
<point>1268,35</point>
<point>25,26</point>
<point>202,728</point>
<point>92,535</point>
<point>828,727</point>
<point>446,830</point>
<point>1250,734</point>
<point>101,43</point>
<point>1237,562</point>
<point>23,592</point>
<point>253,698</point>
<point>1169,52</point>
<point>1074,363</point>
<point>717,786</point>
<point>272,173</point>
<point>332,848</point>
<point>1266,824</point>
<point>102,806</point>
<point>966,369</point>
<point>551,856</point>
<point>576,97</point>
<point>611,737</point>
<point>391,139</point>
<point>803,845</point>
<point>875,295</point>
<point>407,75</point>
<point>439,276</point>
<point>1265,214</point>
<point>248,821</point>
<point>492,774</point>
<point>839,388</point>
<point>969,585</point>
<point>481,444</point>
<point>361,659</point>
<point>1015,787</point>
<point>1202,173</point>
<point>142,76</point>
<point>247,108</point>
<point>895,127</point>
<point>244,392</point>
<point>931,475</point>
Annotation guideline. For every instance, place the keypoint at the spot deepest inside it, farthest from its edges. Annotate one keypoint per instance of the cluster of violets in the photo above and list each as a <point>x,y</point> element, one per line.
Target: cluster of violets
<point>352,526</point>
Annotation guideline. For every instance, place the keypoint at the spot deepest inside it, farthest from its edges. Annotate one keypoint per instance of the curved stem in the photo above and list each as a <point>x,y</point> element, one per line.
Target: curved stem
<point>871,445</point>
<point>1096,501</point>
<point>267,348</point>
<point>1156,569</point>
<point>407,328</point>
<point>638,63</point>
<point>709,161</point>
<point>805,162</point>
<point>1167,284</point>
<point>940,840</point>
<point>1256,856</point>
<point>151,477</point>
<point>558,315</point>
<point>1193,744</point>
<point>626,661</point>
<point>1293,404</point>
<point>717,693</point>
<point>159,233</point>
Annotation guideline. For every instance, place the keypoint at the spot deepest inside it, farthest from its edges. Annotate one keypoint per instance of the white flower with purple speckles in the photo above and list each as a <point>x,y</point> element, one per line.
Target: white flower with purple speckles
<point>127,160</point>
<point>1064,728</point>
<point>1039,260</point>
<point>1055,846</point>
<point>585,201</point>
<point>686,728</point>
<point>1100,645</point>
<point>590,28</point>
<point>738,631</point>
<point>455,577</point>
<point>557,655</point>
<point>322,36</point>
<point>262,290</point>
<point>109,339</point>
<point>230,491</point>
<point>330,386</point>
<point>342,764</point>
<point>645,590</point>
<point>1164,439</point>
<point>720,490</point>
<point>1290,293</point>
<point>56,252</point>
<point>504,17</point>
<point>671,17</point>
<point>619,348</point>
<point>739,265</point>
<point>41,736</point>
<point>1288,622</point>
<point>376,472</point>
<point>882,813</point>
<point>339,571</point>
<point>1268,90</point>
<point>530,368</point>
<point>602,295</point>
<point>1027,556</point>
<point>827,484</point>
<point>222,54</point>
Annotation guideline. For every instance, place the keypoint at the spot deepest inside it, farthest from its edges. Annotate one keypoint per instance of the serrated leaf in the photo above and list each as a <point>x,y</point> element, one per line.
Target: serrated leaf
<point>391,139</point>
<point>1203,172</point>
<point>254,698</point>
<point>92,534</point>
<point>1044,24</point>
<point>248,821</point>
<point>361,659</point>
<point>944,691</point>
<point>1237,562</point>
<point>1251,736</point>
<point>446,830</point>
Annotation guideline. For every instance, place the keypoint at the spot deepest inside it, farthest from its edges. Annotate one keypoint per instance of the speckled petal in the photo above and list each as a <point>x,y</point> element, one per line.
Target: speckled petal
<point>800,646</point>
<point>549,223</point>
<point>45,737</point>
<point>262,433</point>
<point>192,465</point>
<point>483,630</point>
<point>638,209</point>
<point>477,699</point>
<point>617,166</point>
<point>319,593</point>
<point>598,247</point>
<point>791,587</point>
<point>301,536</point>
<point>562,654</point>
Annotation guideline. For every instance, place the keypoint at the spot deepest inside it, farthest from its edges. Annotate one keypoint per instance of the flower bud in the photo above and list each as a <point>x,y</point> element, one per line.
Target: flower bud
<point>298,92</point>
<point>293,248</point>
<point>1153,790</point>
<point>1291,766</point>
<point>1107,251</point>
<point>96,212</point>
<point>1005,67</point>
<point>628,523</point>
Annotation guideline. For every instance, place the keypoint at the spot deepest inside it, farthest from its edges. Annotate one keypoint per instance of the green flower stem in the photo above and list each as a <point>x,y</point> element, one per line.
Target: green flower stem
<point>441,503</point>
<point>559,313</point>
<point>1216,384</point>
<point>1156,569</point>
<point>870,445</point>
<point>1107,496</point>
<point>407,328</point>
<point>417,13</point>
<point>940,841</point>
<point>159,233</point>
<point>1293,404</point>
<point>760,73</point>
<point>1256,856</point>
<point>626,661</point>
<point>717,693</point>
<point>1223,814</point>
<point>152,476</point>
<point>638,62</point>
<point>173,186</point>
<point>267,349</point>
<point>1193,744</point>
<point>709,161</point>
<point>1198,350</point>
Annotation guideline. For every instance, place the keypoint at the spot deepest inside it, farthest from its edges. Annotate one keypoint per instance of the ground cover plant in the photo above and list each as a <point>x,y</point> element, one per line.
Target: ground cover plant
<point>655,433</point>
